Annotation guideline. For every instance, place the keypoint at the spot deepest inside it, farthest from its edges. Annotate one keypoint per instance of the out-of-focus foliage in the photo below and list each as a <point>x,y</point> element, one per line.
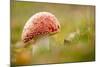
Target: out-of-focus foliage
<point>75,42</point>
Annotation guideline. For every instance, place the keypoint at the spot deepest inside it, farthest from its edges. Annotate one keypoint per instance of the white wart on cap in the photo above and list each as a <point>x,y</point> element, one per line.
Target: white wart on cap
<point>42,23</point>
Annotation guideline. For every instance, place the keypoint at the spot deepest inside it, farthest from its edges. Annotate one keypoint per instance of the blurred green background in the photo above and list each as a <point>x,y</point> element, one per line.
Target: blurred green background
<point>74,43</point>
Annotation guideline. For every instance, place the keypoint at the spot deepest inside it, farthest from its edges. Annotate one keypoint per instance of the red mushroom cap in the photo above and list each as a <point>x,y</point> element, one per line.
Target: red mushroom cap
<point>42,23</point>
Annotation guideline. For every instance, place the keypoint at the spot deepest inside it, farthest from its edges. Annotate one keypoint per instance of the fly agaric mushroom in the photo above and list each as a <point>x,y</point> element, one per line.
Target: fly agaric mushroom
<point>39,27</point>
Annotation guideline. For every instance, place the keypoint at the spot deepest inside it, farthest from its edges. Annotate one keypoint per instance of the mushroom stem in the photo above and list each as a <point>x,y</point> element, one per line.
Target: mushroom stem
<point>41,43</point>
